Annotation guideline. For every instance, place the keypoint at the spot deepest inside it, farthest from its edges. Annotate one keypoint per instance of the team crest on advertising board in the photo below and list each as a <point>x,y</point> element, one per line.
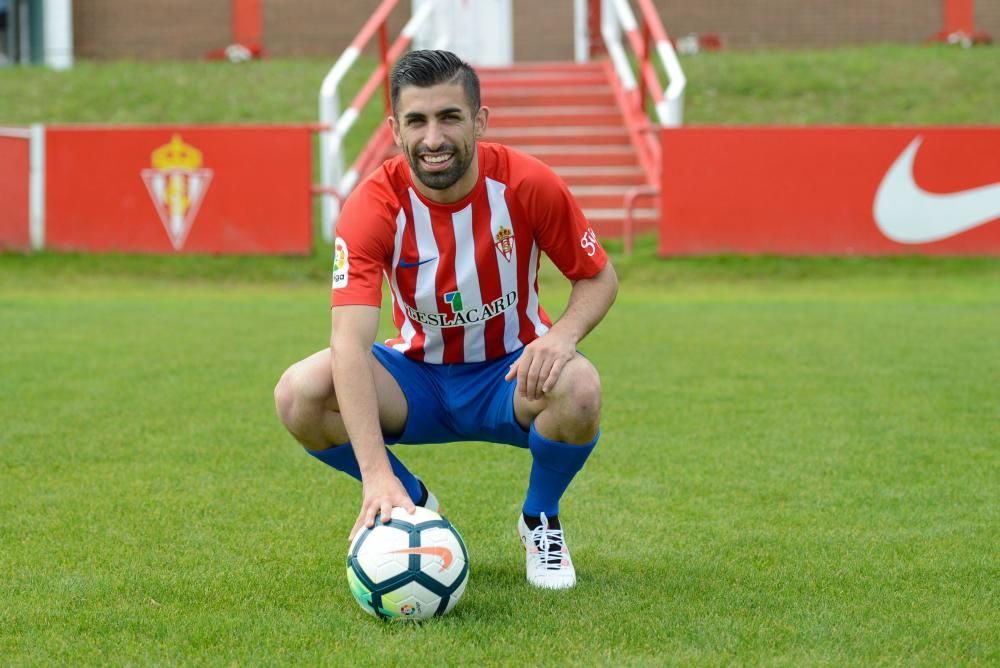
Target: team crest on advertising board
<point>505,242</point>
<point>177,184</point>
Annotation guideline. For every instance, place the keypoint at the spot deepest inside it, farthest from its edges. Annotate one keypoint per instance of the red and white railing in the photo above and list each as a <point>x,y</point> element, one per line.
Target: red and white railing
<point>638,85</point>
<point>336,182</point>
<point>597,22</point>
<point>605,21</point>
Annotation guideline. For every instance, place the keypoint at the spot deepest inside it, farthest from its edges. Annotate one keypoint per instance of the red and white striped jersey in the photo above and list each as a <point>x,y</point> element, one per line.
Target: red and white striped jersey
<point>463,276</point>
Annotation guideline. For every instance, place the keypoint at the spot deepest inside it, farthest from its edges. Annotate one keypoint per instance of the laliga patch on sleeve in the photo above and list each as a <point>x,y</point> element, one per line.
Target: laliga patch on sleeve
<point>340,264</point>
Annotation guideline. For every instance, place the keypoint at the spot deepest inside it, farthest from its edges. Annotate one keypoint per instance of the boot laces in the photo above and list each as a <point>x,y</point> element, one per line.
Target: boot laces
<point>550,544</point>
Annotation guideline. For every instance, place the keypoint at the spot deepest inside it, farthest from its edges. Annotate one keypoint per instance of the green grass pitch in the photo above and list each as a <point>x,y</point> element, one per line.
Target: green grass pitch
<point>799,465</point>
<point>800,462</point>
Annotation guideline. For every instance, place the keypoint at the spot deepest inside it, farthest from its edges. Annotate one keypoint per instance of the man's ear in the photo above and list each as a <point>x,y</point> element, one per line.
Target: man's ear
<point>394,128</point>
<point>481,120</point>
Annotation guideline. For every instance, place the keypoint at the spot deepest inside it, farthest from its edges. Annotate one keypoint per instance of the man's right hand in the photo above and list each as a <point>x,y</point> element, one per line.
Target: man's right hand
<point>382,493</point>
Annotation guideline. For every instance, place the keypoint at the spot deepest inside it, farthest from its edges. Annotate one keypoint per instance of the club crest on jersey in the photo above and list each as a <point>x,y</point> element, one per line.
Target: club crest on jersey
<point>505,242</point>
<point>177,183</point>
<point>340,264</point>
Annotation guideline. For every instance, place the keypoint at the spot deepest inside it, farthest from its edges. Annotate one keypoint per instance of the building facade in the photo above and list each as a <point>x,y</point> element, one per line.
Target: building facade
<point>543,30</point>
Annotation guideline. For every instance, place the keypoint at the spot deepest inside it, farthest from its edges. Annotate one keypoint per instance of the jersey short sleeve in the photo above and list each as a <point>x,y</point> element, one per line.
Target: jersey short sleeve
<point>363,247</point>
<point>559,225</point>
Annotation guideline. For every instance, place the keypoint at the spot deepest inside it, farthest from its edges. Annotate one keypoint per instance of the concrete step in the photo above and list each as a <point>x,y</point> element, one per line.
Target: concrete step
<point>556,72</point>
<point>614,228</point>
<point>536,78</point>
<point>497,96</point>
<point>644,213</point>
<point>602,196</point>
<point>581,154</point>
<point>559,116</point>
<point>600,176</point>
<point>556,83</point>
<point>542,66</point>
<point>595,135</point>
<point>528,80</point>
<point>610,223</point>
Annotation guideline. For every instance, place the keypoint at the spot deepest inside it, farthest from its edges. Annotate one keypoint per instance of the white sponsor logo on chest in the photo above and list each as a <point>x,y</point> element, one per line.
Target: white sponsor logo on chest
<point>459,316</point>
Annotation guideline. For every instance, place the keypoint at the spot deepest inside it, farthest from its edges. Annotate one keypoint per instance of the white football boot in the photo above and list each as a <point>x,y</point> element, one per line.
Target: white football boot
<point>548,561</point>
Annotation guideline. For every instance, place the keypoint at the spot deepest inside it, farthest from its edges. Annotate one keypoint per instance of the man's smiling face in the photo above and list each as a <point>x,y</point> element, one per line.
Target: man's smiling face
<point>437,131</point>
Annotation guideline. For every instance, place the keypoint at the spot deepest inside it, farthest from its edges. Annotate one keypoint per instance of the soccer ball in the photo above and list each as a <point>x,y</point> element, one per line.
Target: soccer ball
<point>415,567</point>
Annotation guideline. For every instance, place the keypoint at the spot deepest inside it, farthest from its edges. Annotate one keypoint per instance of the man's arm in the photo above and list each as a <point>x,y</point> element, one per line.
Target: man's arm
<point>353,331</point>
<point>538,368</point>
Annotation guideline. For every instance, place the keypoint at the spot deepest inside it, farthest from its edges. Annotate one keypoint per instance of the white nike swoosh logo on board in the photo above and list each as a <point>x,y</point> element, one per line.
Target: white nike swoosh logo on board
<point>908,214</point>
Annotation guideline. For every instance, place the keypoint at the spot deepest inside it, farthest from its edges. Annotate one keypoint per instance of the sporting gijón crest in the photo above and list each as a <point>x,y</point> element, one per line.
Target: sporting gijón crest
<point>505,242</point>
<point>177,184</point>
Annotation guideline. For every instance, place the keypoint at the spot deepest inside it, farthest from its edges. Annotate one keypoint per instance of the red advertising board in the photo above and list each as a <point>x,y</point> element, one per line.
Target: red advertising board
<point>170,189</point>
<point>831,190</point>
<point>14,185</point>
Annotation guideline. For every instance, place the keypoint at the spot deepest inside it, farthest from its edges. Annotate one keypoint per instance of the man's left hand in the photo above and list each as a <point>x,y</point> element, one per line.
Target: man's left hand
<point>539,366</point>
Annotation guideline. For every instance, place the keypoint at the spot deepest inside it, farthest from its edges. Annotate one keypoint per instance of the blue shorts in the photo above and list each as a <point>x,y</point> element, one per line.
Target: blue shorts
<point>455,402</point>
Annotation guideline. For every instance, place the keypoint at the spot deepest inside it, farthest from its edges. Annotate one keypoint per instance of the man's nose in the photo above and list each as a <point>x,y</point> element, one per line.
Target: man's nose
<point>433,138</point>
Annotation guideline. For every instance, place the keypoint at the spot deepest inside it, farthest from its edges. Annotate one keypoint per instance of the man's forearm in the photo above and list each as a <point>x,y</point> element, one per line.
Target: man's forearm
<point>589,301</point>
<point>358,402</point>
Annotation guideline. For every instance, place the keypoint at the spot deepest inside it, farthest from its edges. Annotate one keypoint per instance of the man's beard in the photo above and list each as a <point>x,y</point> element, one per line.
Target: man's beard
<point>460,161</point>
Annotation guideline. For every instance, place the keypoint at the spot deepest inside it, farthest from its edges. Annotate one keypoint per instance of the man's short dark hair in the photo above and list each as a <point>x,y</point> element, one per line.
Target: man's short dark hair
<point>430,68</point>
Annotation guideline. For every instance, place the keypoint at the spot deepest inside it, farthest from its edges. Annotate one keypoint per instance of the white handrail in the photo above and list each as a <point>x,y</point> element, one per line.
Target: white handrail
<point>581,33</point>
<point>611,25</point>
<point>331,159</point>
<point>623,11</point>
<point>335,126</point>
<point>669,110</point>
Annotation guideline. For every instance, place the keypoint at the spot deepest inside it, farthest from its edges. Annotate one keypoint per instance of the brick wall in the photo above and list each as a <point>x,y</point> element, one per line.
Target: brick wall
<point>543,29</point>
<point>805,23</point>
<point>149,28</point>
<point>988,18</point>
<point>157,29</point>
<point>321,27</point>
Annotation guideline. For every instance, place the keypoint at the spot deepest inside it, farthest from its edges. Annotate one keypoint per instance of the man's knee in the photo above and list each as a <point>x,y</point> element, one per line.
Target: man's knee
<point>302,389</point>
<point>284,396</point>
<point>580,395</point>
